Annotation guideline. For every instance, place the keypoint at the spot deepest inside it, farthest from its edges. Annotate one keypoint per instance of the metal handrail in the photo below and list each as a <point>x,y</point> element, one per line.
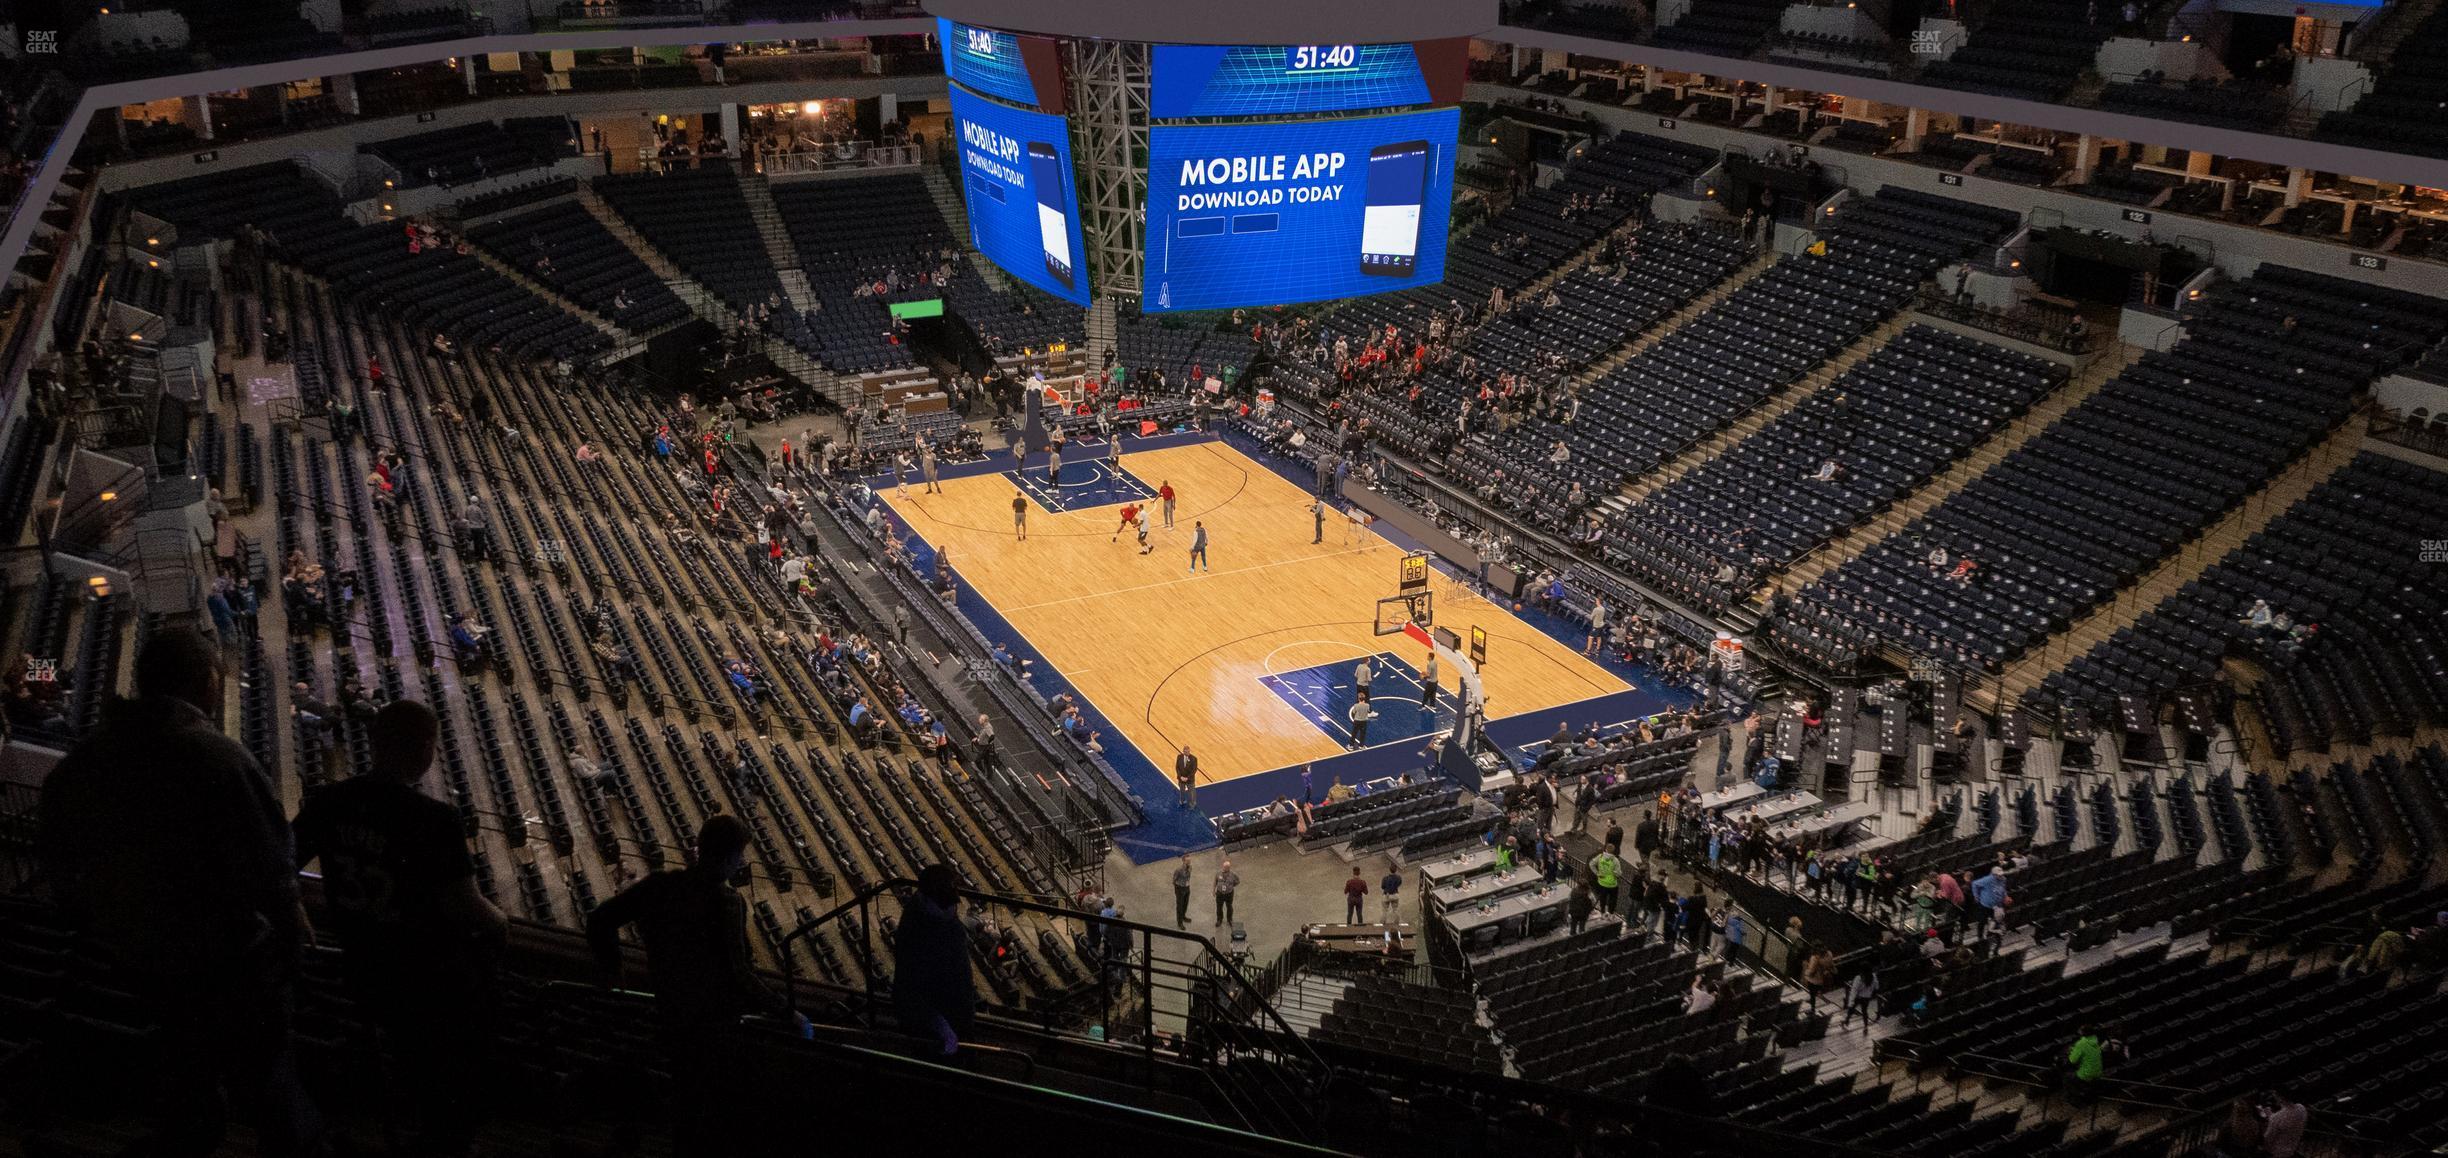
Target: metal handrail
<point>1238,1006</point>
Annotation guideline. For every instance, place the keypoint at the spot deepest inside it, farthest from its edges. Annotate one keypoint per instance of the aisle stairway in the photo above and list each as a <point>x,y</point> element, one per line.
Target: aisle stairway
<point>1641,342</point>
<point>778,246</point>
<point>1775,407</point>
<point>2007,440</point>
<point>2187,563</point>
<point>706,304</point>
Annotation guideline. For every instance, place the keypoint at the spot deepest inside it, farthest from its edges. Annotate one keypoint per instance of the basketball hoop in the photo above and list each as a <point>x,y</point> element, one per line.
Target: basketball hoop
<point>1396,614</point>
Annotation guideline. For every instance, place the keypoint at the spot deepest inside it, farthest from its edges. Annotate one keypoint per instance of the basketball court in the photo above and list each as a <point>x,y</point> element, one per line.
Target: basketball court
<point>1251,663</point>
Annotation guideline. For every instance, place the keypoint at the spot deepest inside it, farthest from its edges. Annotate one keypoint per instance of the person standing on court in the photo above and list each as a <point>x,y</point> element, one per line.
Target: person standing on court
<point>419,940</point>
<point>926,466</point>
<point>1361,714</point>
<point>1054,465</point>
<point>1428,684</point>
<point>1317,510</point>
<point>1597,626</point>
<point>1164,490</point>
<point>1019,516</point>
<point>1198,546</point>
<point>1226,883</point>
<point>1361,675</point>
<point>1185,778</point>
<point>1181,893</point>
<point>1355,897</point>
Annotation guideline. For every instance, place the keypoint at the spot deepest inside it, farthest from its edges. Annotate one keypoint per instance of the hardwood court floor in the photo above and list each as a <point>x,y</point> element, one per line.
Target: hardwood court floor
<point>1176,659</point>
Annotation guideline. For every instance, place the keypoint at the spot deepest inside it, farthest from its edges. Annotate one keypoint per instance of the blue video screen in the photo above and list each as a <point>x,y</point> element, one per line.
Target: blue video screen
<point>1213,80</point>
<point>986,60</point>
<point>1260,215</point>
<point>1016,180</point>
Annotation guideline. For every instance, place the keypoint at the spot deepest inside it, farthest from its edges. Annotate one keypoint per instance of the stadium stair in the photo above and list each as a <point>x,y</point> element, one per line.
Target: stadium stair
<point>1835,554</point>
<point>707,304</point>
<point>1769,411</point>
<point>778,246</point>
<point>2187,563</point>
<point>2378,44</point>
<point>1697,306</point>
<point>559,300</point>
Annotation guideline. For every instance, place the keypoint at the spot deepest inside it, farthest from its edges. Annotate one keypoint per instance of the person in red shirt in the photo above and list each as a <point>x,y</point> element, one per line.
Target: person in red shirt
<point>1355,897</point>
<point>1130,516</point>
<point>1165,492</point>
<point>374,372</point>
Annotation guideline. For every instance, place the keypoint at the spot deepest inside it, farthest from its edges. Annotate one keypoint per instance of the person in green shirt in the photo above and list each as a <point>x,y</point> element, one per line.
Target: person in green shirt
<point>1606,871</point>
<point>1504,855</point>
<point>2088,1061</point>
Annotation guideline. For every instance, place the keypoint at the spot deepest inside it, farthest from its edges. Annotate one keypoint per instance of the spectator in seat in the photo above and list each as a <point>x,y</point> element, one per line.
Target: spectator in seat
<point>419,940</point>
<point>933,993</point>
<point>468,638</point>
<point>167,852</point>
<point>695,927</point>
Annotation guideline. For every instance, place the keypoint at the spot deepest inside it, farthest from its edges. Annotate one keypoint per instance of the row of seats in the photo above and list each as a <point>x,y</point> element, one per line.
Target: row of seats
<point>2269,366</point>
<point>2401,113</point>
<point>1389,1015</point>
<point>1915,406</point>
<point>473,152</point>
<point>1770,332</point>
<point>2033,51</point>
<point>563,246</point>
<point>1723,27</point>
<point>2365,648</point>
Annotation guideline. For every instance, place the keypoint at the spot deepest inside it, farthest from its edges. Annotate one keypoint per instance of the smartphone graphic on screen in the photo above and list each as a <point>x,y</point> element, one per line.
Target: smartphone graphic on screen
<point>1390,225</point>
<point>1053,219</point>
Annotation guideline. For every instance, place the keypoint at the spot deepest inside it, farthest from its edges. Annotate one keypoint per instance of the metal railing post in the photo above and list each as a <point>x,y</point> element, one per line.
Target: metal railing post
<point>1147,1004</point>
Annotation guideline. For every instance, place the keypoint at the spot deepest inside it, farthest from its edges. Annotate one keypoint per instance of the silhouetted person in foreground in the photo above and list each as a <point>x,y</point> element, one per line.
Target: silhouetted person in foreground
<point>932,989</point>
<point>696,931</point>
<point>1681,1091</point>
<point>166,849</point>
<point>420,941</point>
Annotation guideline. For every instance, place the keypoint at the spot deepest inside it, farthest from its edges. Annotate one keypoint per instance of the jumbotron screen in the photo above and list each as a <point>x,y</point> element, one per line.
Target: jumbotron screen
<point>1265,214</point>
<point>1016,181</point>
<point>1248,80</point>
